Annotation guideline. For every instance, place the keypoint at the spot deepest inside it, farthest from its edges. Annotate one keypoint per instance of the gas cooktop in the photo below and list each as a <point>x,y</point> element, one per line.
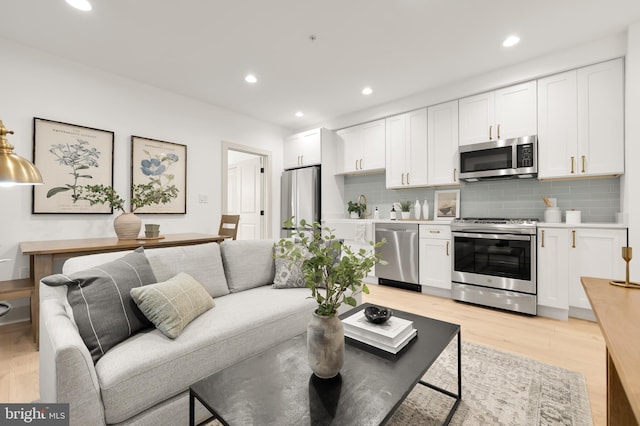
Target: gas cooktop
<point>496,225</point>
<point>490,220</point>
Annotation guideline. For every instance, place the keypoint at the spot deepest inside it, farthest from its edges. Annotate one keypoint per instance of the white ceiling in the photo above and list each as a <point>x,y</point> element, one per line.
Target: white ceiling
<point>204,48</point>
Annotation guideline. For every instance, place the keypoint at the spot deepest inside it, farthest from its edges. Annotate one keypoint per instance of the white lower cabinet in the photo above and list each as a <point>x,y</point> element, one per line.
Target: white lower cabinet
<point>565,255</point>
<point>435,259</point>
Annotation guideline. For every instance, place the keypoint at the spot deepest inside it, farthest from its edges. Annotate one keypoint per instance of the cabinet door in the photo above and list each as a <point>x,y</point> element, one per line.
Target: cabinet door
<point>476,119</point>
<point>516,111</point>
<point>396,169</point>
<point>416,154</point>
<point>310,148</point>
<point>601,119</point>
<point>435,263</point>
<point>594,253</point>
<point>372,146</point>
<point>348,141</point>
<point>442,143</point>
<point>291,151</point>
<point>553,268</point>
<point>557,125</point>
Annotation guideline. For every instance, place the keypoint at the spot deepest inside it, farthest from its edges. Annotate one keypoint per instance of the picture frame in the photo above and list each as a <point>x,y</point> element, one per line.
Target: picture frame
<point>161,163</point>
<point>446,205</point>
<point>70,156</point>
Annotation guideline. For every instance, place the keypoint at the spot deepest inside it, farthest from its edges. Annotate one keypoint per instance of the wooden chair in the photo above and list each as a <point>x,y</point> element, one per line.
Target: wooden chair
<point>229,225</point>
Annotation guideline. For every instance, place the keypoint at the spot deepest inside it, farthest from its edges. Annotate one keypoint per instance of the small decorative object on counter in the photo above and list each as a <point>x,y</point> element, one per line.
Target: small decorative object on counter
<point>573,217</point>
<point>405,207</point>
<point>377,314</point>
<point>376,213</point>
<point>627,254</point>
<point>357,210</point>
<point>425,209</point>
<point>417,210</point>
<point>393,215</point>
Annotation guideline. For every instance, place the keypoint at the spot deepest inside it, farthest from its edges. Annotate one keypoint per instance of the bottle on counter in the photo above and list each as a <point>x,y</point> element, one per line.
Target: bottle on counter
<point>376,213</point>
<point>425,209</point>
<point>417,210</point>
<point>392,215</point>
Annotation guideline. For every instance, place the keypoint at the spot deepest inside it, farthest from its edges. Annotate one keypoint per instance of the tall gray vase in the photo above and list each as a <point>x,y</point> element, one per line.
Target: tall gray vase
<point>325,345</point>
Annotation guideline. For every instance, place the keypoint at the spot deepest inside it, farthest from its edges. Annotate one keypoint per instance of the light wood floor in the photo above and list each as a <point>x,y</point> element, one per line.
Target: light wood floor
<point>575,344</point>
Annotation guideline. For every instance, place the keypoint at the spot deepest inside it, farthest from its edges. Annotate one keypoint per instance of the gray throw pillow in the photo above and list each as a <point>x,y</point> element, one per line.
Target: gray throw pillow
<point>171,305</point>
<point>103,309</point>
<point>247,263</point>
<point>288,273</point>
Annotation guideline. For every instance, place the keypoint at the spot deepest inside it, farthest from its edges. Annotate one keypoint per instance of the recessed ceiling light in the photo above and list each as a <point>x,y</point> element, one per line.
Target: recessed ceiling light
<point>367,91</point>
<point>83,5</point>
<point>250,78</point>
<point>299,114</point>
<point>511,41</point>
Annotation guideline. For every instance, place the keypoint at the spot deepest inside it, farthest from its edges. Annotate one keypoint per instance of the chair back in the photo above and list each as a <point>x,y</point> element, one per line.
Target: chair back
<point>229,225</point>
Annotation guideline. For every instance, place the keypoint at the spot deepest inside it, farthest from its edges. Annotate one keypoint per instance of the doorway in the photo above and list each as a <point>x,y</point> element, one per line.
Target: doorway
<point>245,183</point>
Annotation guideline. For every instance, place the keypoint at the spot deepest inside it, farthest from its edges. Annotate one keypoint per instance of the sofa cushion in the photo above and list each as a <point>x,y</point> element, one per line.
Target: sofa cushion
<point>103,309</point>
<point>248,263</point>
<point>149,368</point>
<point>172,304</point>
<point>202,261</point>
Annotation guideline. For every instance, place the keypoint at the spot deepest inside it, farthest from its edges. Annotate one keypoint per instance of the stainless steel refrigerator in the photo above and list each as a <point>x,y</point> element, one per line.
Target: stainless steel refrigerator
<point>300,196</point>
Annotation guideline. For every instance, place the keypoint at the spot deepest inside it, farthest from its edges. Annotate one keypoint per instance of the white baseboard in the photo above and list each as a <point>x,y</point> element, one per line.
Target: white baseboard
<point>555,313</point>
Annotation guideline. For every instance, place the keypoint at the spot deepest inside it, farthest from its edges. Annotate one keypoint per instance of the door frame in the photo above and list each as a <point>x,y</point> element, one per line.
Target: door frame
<point>265,226</point>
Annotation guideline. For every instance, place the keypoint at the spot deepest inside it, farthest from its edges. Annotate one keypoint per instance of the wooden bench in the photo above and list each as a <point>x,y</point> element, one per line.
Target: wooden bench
<point>19,289</point>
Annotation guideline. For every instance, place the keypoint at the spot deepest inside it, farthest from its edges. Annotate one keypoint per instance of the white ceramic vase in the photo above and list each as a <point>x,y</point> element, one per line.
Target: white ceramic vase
<point>127,226</point>
<point>325,345</point>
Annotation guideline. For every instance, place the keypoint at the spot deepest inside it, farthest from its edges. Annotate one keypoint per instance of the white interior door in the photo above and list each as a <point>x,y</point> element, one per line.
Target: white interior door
<point>248,192</point>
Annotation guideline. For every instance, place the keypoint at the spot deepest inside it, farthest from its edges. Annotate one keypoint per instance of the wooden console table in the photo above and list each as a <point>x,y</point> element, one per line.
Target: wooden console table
<point>45,253</point>
<point>617,310</point>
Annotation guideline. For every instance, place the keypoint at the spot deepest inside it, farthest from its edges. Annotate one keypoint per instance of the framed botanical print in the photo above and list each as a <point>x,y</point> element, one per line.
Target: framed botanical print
<point>447,205</point>
<point>68,157</point>
<point>163,164</point>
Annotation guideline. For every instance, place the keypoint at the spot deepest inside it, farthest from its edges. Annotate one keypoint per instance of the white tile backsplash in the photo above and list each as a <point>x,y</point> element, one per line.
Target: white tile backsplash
<point>597,199</point>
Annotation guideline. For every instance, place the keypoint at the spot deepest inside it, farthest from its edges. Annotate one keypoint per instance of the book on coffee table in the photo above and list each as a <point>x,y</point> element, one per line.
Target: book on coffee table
<point>394,349</point>
<point>390,333</point>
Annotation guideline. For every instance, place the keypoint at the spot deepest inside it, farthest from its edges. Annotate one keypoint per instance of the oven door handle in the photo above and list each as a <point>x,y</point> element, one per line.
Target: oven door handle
<point>511,237</point>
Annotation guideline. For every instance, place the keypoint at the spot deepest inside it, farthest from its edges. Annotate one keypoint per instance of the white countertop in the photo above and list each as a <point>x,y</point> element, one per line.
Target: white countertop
<point>583,225</point>
<point>597,225</point>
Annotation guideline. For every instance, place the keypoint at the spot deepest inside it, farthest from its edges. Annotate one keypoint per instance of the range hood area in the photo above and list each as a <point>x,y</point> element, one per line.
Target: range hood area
<point>500,159</point>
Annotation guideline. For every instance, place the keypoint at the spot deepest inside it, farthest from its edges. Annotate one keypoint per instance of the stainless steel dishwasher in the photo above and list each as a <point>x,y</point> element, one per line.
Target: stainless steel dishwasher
<point>401,254</point>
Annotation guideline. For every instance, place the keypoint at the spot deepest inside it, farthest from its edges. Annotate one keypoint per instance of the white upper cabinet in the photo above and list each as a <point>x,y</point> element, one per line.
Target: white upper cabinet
<point>361,148</point>
<point>580,129</point>
<point>502,114</point>
<point>442,143</point>
<point>406,150</point>
<point>303,149</point>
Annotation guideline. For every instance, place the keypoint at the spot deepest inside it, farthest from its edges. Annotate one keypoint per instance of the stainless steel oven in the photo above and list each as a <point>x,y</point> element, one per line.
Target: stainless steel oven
<point>494,263</point>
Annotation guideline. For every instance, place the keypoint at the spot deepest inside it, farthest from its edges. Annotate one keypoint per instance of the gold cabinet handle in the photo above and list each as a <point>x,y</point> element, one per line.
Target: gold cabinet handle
<point>408,179</point>
<point>572,161</point>
<point>302,160</point>
<point>447,248</point>
<point>361,164</point>
<point>403,178</point>
<point>583,158</point>
<point>454,174</point>
<point>542,239</point>
<point>356,164</point>
<point>434,232</point>
<point>573,239</point>
<point>490,129</point>
<point>498,131</point>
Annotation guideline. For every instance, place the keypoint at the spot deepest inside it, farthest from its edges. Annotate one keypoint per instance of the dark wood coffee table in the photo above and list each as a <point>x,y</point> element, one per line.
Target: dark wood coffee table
<point>277,387</point>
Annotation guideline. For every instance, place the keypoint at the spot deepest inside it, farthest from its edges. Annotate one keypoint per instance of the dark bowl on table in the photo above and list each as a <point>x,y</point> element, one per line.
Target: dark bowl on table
<point>377,314</point>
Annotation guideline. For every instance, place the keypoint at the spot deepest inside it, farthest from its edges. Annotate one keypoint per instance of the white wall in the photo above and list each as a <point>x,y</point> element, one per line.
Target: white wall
<point>35,84</point>
<point>631,179</point>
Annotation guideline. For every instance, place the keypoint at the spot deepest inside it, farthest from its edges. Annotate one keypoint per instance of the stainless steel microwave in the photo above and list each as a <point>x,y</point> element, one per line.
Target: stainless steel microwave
<point>500,159</point>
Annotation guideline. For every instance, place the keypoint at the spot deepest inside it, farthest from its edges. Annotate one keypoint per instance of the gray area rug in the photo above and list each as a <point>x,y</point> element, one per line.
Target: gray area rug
<point>498,388</point>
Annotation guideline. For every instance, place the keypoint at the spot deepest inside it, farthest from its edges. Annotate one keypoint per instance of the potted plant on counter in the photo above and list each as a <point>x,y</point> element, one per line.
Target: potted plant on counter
<point>405,207</point>
<point>356,210</point>
<point>127,225</point>
<point>334,273</point>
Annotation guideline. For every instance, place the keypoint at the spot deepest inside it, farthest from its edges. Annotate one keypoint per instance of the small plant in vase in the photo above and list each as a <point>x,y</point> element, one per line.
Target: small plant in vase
<point>356,210</point>
<point>127,225</point>
<point>330,270</point>
<point>405,208</point>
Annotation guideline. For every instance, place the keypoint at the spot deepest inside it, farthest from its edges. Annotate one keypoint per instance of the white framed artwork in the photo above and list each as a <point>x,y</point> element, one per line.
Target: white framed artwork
<point>446,205</point>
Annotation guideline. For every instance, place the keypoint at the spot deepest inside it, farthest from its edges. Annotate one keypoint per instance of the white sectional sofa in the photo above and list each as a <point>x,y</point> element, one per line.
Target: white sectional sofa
<point>145,379</point>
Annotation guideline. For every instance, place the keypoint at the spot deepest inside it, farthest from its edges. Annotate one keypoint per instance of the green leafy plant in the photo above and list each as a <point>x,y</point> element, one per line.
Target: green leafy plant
<point>144,194</point>
<point>405,206</point>
<point>329,267</point>
<point>359,208</point>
